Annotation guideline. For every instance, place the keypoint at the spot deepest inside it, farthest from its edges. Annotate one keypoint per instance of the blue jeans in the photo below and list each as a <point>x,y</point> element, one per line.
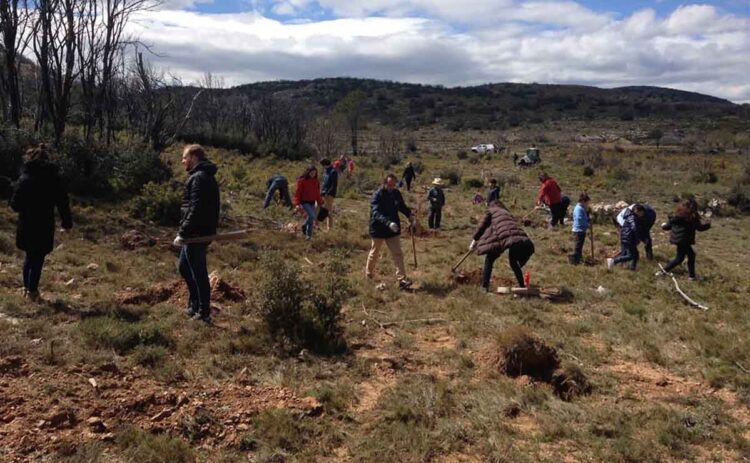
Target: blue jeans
<point>283,188</point>
<point>309,225</point>
<point>32,270</point>
<point>194,271</point>
<point>628,254</point>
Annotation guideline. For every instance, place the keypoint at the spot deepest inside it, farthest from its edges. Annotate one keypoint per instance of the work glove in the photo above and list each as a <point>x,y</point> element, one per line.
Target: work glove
<point>473,245</point>
<point>178,241</point>
<point>393,226</point>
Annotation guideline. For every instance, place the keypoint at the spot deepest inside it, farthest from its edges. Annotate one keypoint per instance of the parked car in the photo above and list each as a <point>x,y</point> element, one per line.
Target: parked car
<point>483,148</point>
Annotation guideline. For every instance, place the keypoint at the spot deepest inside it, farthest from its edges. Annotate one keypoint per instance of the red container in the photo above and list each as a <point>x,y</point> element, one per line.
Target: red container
<point>527,279</point>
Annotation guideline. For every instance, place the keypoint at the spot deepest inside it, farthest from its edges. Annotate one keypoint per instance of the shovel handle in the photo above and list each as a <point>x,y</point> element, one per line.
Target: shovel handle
<point>453,269</point>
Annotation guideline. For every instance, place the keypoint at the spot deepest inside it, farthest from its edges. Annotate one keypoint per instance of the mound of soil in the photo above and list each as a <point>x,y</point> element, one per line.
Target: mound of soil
<point>522,354</point>
<point>133,239</point>
<point>570,382</point>
<point>176,293</point>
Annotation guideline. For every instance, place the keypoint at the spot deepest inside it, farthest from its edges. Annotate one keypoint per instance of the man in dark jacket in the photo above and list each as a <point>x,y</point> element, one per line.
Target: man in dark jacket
<point>409,175</point>
<point>38,192</point>
<point>328,190</point>
<point>200,217</point>
<point>280,184</point>
<point>499,231</point>
<point>494,194</point>
<point>630,235</point>
<point>436,200</point>
<point>385,228</point>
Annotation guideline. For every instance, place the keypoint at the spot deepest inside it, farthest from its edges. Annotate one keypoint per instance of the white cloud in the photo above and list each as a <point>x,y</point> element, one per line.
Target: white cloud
<point>694,48</point>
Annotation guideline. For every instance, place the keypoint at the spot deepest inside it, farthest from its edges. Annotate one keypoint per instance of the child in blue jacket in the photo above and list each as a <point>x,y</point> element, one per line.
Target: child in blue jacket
<point>580,226</point>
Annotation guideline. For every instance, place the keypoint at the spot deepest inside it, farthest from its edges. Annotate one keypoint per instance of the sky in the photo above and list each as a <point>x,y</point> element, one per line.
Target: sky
<point>701,47</point>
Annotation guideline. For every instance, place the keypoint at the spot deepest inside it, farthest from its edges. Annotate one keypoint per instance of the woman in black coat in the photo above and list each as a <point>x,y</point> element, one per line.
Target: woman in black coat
<point>38,192</point>
<point>682,226</point>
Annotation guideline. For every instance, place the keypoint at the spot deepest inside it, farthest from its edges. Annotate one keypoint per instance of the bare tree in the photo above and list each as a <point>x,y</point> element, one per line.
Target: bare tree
<point>14,17</point>
<point>351,108</point>
<point>279,125</point>
<point>327,136</point>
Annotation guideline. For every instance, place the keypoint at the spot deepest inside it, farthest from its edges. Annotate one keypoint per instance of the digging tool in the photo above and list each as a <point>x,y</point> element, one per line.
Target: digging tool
<point>591,227</point>
<point>229,236</point>
<point>414,243</point>
<point>458,264</point>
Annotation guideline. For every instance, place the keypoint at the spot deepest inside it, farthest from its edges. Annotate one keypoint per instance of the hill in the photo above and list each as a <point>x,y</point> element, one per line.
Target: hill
<point>495,106</point>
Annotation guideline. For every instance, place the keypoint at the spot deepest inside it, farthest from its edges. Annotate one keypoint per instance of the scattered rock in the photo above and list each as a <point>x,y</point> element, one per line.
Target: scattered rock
<point>92,266</point>
<point>7,318</point>
<point>62,419</point>
<point>70,282</point>
<point>602,291</point>
<point>162,414</point>
<point>13,366</point>
<point>133,239</point>
<point>96,425</point>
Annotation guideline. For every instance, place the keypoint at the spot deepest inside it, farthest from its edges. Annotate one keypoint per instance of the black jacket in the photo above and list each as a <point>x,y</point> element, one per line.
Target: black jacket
<point>682,229</point>
<point>38,192</point>
<point>409,174</point>
<point>201,202</point>
<point>436,197</point>
<point>330,182</point>
<point>632,229</point>
<point>384,208</point>
<point>494,195</point>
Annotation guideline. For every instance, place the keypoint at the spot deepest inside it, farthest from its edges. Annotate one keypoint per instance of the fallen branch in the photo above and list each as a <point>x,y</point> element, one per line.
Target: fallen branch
<point>378,322</point>
<point>742,368</point>
<point>682,293</point>
<point>416,320</point>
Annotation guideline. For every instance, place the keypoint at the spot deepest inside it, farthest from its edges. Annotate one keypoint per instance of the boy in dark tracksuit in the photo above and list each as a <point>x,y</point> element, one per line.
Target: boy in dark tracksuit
<point>682,226</point>
<point>409,175</point>
<point>494,194</point>
<point>436,198</point>
<point>630,236</point>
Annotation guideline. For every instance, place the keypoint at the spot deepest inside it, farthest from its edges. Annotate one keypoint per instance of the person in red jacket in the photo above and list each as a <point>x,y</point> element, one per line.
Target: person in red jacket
<point>307,198</point>
<point>549,194</point>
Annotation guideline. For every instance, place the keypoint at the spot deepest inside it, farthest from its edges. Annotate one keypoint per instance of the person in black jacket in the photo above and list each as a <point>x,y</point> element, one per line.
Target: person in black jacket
<point>409,175</point>
<point>436,200</point>
<point>682,226</point>
<point>200,218</point>
<point>494,194</point>
<point>630,235</point>
<point>385,228</point>
<point>328,189</point>
<point>38,192</point>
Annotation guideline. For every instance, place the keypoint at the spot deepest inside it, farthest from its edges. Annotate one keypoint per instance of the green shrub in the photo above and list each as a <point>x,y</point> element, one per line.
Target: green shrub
<point>472,183</point>
<point>120,336</point>
<point>452,175</point>
<point>158,203</point>
<point>300,314</point>
<point>137,166</point>
<point>705,177</point>
<point>619,174</point>
<point>411,145</point>
<point>86,168</point>
<point>144,447</point>
<point>588,171</point>
<point>418,166</point>
<point>462,154</point>
<point>280,430</point>
<point>13,143</point>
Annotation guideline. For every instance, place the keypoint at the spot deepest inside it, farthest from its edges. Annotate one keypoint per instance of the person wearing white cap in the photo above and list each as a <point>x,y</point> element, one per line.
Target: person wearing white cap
<point>436,198</point>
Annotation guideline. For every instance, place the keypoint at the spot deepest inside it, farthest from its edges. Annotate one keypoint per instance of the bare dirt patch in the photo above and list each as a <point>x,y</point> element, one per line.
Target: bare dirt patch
<point>176,292</point>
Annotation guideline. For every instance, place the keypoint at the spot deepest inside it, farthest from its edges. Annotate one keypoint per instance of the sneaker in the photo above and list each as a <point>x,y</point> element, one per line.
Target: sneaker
<point>692,278</point>
<point>199,317</point>
<point>405,283</point>
<point>610,263</point>
<point>660,273</point>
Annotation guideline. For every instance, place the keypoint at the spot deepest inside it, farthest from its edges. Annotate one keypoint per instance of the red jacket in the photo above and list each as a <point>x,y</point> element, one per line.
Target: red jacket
<point>308,191</point>
<point>549,192</point>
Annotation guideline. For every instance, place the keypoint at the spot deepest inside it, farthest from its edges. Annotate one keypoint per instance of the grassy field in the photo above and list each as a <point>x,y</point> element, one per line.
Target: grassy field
<point>418,380</point>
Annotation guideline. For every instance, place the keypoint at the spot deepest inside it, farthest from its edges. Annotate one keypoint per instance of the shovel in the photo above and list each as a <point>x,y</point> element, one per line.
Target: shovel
<point>458,264</point>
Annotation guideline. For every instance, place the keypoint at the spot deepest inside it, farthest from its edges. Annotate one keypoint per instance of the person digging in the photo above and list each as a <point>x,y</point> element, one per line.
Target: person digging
<point>649,219</point>
<point>277,183</point>
<point>329,188</point>
<point>436,200</point>
<point>499,231</point>
<point>385,228</point>
<point>550,195</point>
<point>200,217</point>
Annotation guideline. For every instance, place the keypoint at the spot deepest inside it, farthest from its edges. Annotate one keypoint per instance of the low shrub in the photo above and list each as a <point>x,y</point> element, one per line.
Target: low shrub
<point>588,171</point>
<point>705,177</point>
<point>137,166</point>
<point>86,168</point>
<point>158,203</point>
<point>411,145</point>
<point>144,447</point>
<point>452,175</point>
<point>472,183</point>
<point>121,336</point>
<point>302,314</point>
<point>462,154</point>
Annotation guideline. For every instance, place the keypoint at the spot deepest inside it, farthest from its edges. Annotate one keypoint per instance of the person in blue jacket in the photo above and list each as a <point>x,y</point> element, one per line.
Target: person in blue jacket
<point>329,188</point>
<point>278,183</point>
<point>385,228</point>
<point>630,235</point>
<point>494,194</point>
<point>580,226</point>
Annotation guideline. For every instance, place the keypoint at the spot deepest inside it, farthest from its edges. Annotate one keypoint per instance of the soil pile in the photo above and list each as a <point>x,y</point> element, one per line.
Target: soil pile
<point>176,292</point>
<point>134,239</point>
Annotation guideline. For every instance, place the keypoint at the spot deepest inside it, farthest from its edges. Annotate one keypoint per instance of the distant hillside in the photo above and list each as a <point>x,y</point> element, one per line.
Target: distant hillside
<point>498,106</point>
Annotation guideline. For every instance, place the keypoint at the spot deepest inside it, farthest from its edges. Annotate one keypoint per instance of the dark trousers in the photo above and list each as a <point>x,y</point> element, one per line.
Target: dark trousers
<point>408,183</point>
<point>579,239</point>
<point>558,214</point>
<point>32,270</point>
<point>518,255</point>
<point>433,220</point>
<point>628,254</point>
<point>283,188</point>
<point>194,271</point>
<point>683,250</point>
